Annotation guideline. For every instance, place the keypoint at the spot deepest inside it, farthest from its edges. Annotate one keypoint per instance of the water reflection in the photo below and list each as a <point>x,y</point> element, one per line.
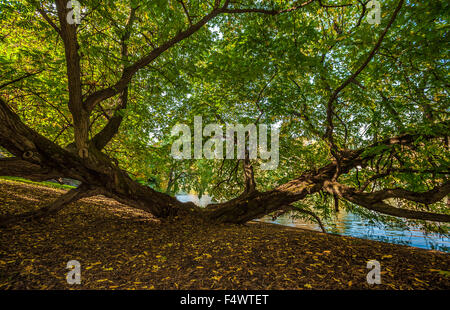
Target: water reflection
<point>202,202</point>
<point>349,224</point>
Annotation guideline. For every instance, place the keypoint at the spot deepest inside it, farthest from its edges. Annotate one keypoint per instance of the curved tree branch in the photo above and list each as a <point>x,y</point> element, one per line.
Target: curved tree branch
<point>130,71</point>
<point>308,212</point>
<point>329,129</point>
<point>374,201</point>
<point>16,167</point>
<point>73,195</point>
<point>103,94</point>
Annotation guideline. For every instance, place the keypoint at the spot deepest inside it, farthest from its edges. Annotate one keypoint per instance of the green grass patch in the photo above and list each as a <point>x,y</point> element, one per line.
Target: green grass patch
<point>44,183</point>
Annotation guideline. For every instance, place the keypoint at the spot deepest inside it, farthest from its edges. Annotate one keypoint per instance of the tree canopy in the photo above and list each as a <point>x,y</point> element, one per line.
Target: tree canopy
<point>362,108</point>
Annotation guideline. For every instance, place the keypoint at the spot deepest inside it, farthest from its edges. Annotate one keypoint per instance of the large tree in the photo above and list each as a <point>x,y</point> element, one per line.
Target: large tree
<point>362,107</point>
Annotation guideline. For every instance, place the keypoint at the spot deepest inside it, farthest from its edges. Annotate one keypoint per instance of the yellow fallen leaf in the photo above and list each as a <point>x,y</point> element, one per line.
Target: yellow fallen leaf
<point>420,281</point>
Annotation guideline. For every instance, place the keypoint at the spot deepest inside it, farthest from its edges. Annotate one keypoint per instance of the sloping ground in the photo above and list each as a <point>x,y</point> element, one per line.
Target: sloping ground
<point>121,248</point>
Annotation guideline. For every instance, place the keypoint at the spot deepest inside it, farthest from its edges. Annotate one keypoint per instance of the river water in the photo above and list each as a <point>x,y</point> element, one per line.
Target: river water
<point>349,224</point>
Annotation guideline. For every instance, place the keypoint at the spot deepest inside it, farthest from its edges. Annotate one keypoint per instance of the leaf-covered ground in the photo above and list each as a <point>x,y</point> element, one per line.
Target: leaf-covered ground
<point>121,248</point>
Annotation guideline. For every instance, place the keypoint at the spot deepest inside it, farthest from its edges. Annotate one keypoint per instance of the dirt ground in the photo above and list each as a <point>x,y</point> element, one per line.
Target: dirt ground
<point>121,248</point>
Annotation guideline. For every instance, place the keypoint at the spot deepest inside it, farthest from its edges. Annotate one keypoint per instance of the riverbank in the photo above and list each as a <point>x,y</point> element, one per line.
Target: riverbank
<point>346,223</point>
<point>122,248</point>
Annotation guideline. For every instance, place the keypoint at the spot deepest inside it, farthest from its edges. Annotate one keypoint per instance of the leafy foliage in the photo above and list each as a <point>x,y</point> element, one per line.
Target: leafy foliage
<point>238,69</point>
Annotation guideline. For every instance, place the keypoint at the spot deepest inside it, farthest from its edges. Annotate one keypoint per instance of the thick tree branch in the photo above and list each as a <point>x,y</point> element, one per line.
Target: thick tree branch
<point>249,176</point>
<point>79,113</point>
<point>429,197</point>
<point>71,196</point>
<point>243,209</point>
<point>100,95</point>
<point>17,167</point>
<point>25,143</point>
<point>130,71</point>
<point>374,201</point>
